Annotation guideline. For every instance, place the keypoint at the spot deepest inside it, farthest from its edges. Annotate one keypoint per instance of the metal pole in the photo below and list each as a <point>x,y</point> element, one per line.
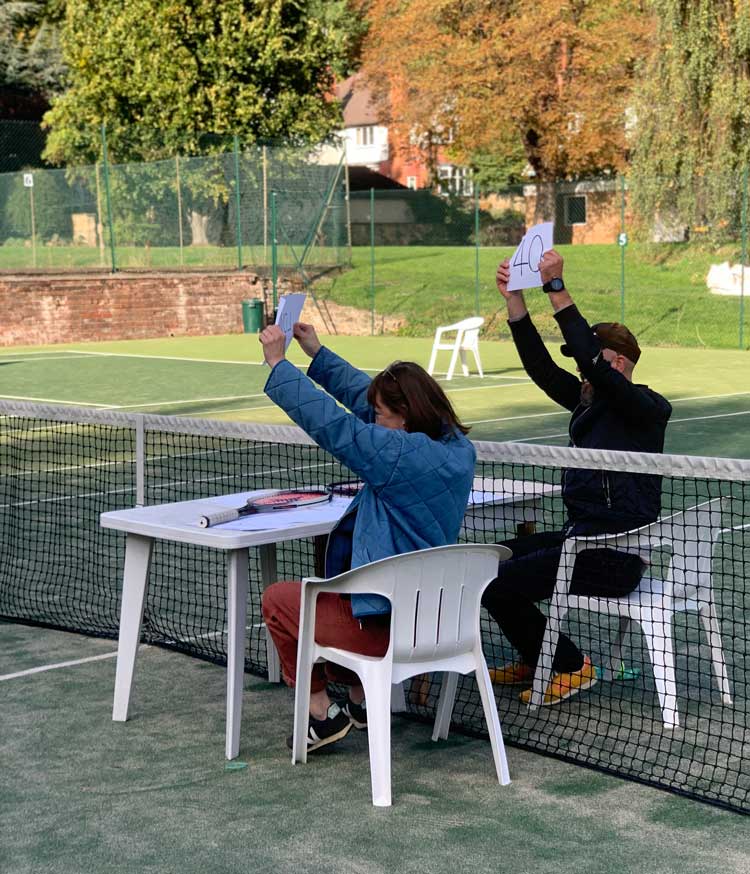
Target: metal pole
<point>274,252</point>
<point>179,208</point>
<point>476,251</point>
<point>33,225</point>
<point>622,249</point>
<point>99,223</point>
<point>744,258</point>
<point>265,206</point>
<point>348,210</point>
<point>372,261</point>
<point>238,201</point>
<point>105,164</point>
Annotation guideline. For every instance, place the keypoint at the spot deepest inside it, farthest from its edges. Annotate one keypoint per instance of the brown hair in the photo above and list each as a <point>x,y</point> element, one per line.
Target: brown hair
<point>407,389</point>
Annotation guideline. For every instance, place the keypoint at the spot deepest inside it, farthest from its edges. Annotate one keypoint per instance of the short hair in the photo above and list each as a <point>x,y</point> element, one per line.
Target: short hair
<point>407,389</point>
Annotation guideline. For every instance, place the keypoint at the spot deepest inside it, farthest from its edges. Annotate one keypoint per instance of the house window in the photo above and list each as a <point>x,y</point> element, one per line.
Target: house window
<point>411,182</point>
<point>365,136</point>
<point>454,180</point>
<point>575,210</point>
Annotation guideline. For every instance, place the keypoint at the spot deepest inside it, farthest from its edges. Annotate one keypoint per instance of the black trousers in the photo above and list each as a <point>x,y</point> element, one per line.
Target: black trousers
<point>530,577</point>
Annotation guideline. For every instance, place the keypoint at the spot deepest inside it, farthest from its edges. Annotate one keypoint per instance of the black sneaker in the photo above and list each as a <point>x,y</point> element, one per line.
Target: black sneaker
<point>321,732</point>
<point>357,713</point>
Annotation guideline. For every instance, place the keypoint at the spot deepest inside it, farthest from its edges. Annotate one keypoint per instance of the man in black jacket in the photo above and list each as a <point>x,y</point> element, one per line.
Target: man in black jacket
<point>609,412</point>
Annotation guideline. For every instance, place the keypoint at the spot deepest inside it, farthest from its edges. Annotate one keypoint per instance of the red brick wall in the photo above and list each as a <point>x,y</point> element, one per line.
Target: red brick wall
<point>36,309</point>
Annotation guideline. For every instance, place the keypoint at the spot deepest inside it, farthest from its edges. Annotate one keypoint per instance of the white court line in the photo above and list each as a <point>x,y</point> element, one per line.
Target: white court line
<point>39,670</point>
<point>716,416</point>
<point>189,401</point>
<point>56,401</point>
<point>514,418</point>
<point>44,360</point>
<point>167,358</point>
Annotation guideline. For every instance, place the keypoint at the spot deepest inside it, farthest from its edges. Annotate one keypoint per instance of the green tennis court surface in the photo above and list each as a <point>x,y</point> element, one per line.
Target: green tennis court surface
<point>222,378</point>
<point>80,793</point>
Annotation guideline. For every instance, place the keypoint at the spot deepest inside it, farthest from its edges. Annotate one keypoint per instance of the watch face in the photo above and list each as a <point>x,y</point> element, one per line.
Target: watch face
<point>556,284</point>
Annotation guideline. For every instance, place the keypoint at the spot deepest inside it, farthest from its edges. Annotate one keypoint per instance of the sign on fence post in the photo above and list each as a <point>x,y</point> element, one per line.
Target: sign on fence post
<point>28,182</point>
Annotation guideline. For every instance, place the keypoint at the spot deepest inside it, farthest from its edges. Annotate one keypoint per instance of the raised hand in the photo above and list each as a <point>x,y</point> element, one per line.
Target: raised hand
<point>502,278</point>
<point>307,338</point>
<point>274,342</point>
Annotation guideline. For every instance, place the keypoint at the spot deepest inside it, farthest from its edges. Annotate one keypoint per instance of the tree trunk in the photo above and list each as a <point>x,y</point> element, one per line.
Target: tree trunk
<point>198,228</point>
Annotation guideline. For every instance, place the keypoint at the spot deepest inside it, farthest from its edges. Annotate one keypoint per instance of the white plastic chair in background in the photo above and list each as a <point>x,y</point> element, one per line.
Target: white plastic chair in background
<point>435,597</point>
<point>690,536</point>
<point>466,340</point>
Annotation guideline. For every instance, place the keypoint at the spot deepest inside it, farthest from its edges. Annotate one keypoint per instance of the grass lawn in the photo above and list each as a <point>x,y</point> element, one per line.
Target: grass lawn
<point>666,298</point>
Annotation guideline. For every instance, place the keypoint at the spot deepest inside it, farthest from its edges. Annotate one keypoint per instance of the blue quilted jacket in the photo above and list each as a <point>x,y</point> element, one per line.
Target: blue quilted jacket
<point>416,489</point>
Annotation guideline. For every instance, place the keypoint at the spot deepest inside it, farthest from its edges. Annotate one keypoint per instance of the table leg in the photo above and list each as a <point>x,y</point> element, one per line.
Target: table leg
<point>268,575</point>
<point>237,567</point>
<point>135,579</point>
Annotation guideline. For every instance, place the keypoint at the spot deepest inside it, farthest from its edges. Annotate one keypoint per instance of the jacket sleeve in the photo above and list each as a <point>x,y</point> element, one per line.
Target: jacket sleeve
<point>562,387</point>
<point>347,384</point>
<point>631,401</point>
<point>368,450</point>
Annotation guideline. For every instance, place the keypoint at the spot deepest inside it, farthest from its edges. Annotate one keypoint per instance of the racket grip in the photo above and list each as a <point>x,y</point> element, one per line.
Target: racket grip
<point>218,517</point>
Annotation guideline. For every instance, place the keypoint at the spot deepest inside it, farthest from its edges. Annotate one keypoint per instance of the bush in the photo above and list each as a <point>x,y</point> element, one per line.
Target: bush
<point>51,206</point>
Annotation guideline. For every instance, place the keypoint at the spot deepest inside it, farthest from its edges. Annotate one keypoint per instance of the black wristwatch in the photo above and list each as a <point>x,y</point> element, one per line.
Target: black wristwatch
<point>555,284</point>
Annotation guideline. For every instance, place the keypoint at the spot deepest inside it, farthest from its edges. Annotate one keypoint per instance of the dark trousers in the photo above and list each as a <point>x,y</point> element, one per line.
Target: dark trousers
<point>530,577</point>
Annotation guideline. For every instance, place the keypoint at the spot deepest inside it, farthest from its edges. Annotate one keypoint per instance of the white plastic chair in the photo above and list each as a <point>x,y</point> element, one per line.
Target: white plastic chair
<point>435,597</point>
<point>690,536</point>
<point>466,340</point>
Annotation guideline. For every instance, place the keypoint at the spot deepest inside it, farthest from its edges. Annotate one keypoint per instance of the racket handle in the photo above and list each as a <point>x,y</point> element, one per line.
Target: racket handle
<point>218,517</point>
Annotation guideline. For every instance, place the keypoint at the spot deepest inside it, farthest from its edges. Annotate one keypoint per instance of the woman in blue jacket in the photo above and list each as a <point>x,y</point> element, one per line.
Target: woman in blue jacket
<point>400,436</point>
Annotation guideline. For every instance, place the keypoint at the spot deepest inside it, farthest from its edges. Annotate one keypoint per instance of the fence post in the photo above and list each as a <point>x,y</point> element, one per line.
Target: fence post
<point>623,241</point>
<point>274,253</point>
<point>372,262</point>
<point>476,250</point>
<point>744,258</point>
<point>179,210</point>
<point>238,221</point>
<point>108,198</point>
<point>33,221</point>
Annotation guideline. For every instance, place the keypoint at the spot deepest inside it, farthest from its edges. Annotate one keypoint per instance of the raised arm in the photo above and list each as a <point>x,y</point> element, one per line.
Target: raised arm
<point>346,383</point>
<point>562,387</point>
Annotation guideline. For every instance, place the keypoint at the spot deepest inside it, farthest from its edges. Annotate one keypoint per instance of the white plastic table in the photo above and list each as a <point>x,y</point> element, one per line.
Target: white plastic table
<point>510,500</point>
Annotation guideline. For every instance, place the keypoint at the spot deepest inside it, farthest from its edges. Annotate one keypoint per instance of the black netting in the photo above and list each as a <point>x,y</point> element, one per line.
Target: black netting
<point>678,722</point>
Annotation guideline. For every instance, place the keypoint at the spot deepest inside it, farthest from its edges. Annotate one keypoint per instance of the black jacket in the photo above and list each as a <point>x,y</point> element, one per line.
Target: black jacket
<point>623,416</point>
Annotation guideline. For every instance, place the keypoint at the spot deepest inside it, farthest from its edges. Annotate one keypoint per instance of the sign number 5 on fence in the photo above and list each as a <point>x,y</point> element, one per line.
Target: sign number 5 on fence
<point>524,264</point>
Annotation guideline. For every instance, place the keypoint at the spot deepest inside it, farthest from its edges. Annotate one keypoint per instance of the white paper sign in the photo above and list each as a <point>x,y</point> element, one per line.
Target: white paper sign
<point>289,312</point>
<point>524,265</point>
<point>28,180</point>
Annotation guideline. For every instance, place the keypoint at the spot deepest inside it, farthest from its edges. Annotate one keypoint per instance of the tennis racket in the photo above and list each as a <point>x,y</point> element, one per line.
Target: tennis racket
<point>346,488</point>
<point>284,499</point>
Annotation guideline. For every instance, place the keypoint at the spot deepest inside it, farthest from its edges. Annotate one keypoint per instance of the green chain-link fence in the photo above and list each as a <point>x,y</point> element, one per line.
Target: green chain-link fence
<point>270,206</point>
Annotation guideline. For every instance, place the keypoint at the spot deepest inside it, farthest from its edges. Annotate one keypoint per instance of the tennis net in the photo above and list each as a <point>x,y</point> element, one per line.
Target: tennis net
<point>670,705</point>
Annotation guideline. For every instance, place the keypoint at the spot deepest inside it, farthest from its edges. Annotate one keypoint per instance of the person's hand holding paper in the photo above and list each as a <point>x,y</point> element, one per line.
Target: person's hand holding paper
<point>524,265</point>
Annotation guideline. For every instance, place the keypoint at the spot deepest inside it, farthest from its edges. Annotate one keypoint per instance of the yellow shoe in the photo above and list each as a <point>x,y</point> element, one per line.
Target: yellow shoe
<point>512,674</point>
<point>562,686</point>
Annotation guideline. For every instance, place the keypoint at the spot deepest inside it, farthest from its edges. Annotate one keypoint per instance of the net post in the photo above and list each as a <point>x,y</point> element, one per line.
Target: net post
<point>140,461</point>
<point>108,198</point>
<point>238,218</point>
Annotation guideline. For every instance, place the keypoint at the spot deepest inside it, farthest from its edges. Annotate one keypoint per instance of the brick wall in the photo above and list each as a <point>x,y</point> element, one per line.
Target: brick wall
<point>38,309</point>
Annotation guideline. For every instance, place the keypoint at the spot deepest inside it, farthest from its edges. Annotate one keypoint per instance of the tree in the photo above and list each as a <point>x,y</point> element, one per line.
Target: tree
<point>693,116</point>
<point>161,74</point>
<point>30,54</point>
<point>553,77</point>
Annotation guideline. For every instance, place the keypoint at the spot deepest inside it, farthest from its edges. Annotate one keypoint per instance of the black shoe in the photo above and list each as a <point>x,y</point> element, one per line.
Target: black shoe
<point>321,732</point>
<point>357,713</point>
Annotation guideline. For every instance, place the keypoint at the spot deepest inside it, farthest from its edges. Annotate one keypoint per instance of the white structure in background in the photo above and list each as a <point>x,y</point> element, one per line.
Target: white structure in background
<point>726,279</point>
<point>466,340</point>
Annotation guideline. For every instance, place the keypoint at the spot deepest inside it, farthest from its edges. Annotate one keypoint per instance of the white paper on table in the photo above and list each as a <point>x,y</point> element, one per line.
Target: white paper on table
<point>277,520</point>
<point>289,312</point>
<point>524,265</point>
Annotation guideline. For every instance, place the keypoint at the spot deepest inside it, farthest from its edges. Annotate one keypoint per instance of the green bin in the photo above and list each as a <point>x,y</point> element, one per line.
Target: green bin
<point>252,316</point>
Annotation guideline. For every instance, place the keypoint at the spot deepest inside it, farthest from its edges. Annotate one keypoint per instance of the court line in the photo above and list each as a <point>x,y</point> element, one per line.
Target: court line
<point>69,664</point>
<point>52,358</point>
<point>188,401</point>
<point>715,416</point>
<point>56,401</point>
<point>166,357</point>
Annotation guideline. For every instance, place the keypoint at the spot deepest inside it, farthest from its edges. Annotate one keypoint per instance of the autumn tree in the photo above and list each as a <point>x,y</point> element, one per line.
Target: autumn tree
<point>550,80</point>
<point>693,116</point>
